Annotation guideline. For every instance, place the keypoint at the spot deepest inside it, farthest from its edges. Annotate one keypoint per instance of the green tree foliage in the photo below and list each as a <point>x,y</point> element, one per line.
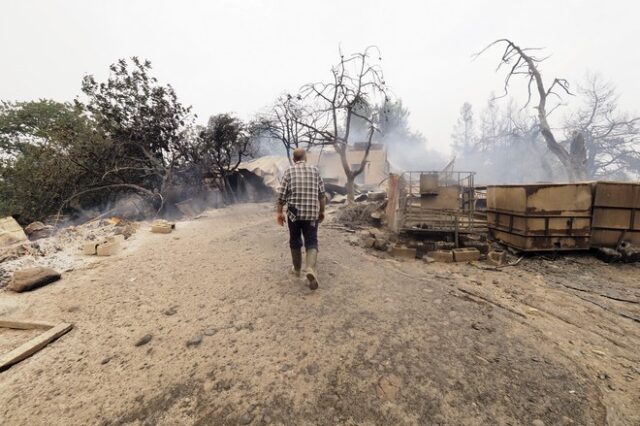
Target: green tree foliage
<point>43,148</point>
<point>225,141</point>
<point>145,121</point>
<point>130,134</point>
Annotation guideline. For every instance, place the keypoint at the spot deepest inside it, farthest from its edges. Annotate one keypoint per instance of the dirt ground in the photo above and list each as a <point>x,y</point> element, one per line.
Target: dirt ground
<point>235,340</point>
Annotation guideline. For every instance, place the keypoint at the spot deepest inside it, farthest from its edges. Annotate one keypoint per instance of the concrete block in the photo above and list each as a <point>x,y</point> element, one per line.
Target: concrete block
<point>161,229</point>
<point>108,249</point>
<point>403,252</point>
<point>497,257</point>
<point>31,278</point>
<point>466,254</point>
<point>90,248</point>
<point>116,239</point>
<point>441,256</point>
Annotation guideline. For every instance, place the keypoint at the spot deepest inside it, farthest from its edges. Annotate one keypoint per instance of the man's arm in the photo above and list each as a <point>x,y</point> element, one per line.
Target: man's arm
<point>323,201</point>
<point>280,213</point>
<point>282,199</point>
<point>322,198</point>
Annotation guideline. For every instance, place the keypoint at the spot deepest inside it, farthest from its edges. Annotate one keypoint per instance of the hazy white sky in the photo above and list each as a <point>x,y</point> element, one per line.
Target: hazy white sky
<point>237,56</point>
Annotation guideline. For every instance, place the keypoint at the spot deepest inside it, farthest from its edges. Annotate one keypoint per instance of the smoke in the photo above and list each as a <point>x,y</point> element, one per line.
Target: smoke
<point>407,150</point>
<point>413,155</point>
<point>513,162</point>
<point>505,147</point>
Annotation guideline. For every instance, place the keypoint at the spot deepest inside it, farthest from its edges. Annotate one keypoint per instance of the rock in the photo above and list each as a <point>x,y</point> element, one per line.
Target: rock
<point>38,230</point>
<point>537,422</point>
<point>144,340</point>
<point>243,326</point>
<point>381,245</point>
<point>105,360</point>
<point>195,340</point>
<point>222,385</point>
<point>608,255</point>
<point>369,243</point>
<point>376,233</point>
<point>170,311</point>
<point>210,331</point>
<point>11,232</point>
<point>630,253</point>
<point>354,241</point>
<point>313,369</point>
<point>246,418</point>
<point>31,278</point>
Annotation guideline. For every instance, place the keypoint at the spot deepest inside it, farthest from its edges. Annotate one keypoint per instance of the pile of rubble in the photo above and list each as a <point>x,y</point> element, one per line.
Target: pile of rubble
<point>473,248</point>
<point>360,214</point>
<point>54,249</point>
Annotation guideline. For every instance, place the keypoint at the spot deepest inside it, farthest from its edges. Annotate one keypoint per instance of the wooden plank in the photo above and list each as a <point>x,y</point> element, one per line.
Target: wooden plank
<point>32,346</point>
<point>25,325</point>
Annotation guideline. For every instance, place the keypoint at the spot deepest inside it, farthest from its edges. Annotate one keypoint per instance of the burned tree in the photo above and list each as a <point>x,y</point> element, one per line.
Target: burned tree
<point>145,122</point>
<point>521,62</point>
<point>343,104</point>
<point>224,142</point>
<point>612,137</point>
<point>283,123</point>
<point>464,132</point>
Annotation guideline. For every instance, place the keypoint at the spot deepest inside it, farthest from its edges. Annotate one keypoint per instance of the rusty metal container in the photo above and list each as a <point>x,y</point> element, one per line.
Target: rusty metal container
<point>541,217</point>
<point>616,214</point>
<point>429,183</point>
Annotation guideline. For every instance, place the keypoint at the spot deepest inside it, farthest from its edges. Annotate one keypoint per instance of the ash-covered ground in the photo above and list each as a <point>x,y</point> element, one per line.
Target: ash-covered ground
<point>204,326</point>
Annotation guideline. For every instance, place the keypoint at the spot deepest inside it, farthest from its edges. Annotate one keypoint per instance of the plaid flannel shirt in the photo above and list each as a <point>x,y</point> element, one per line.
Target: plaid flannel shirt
<point>300,189</point>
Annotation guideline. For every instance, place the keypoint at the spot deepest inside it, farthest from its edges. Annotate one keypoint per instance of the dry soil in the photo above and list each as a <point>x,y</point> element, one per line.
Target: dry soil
<point>235,340</point>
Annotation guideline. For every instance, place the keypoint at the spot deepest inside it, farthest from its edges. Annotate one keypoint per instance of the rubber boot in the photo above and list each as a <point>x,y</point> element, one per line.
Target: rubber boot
<point>296,259</point>
<point>310,271</point>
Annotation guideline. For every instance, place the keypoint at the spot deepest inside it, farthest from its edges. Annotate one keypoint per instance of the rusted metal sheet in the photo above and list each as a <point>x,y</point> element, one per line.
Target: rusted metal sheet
<point>541,217</point>
<point>429,183</point>
<point>616,214</point>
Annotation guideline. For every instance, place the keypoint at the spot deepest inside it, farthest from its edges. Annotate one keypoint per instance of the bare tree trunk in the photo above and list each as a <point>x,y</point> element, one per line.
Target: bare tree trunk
<point>351,188</point>
<point>578,155</point>
<point>521,63</point>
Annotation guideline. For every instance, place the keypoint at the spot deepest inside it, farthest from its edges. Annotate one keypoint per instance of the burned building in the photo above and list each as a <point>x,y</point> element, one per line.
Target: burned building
<point>375,172</point>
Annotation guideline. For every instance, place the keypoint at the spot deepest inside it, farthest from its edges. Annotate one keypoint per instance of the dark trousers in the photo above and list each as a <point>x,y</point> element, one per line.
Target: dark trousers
<point>303,228</point>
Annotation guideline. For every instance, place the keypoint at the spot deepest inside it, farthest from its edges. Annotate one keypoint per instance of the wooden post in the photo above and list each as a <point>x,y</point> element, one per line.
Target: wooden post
<point>393,197</point>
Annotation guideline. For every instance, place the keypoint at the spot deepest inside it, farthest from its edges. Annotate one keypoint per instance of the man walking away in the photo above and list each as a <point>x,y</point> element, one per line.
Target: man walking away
<point>302,190</point>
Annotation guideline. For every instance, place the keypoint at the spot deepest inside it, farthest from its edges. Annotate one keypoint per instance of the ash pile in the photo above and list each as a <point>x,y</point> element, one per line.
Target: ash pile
<point>53,247</point>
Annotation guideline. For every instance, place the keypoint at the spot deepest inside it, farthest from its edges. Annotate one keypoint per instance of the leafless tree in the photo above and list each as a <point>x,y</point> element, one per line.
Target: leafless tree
<point>284,124</point>
<point>612,138</point>
<point>343,104</point>
<point>521,62</point>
